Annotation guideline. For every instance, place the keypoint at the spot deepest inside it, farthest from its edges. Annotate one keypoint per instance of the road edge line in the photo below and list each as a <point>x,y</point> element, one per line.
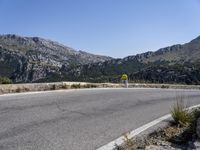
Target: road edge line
<point>119,141</point>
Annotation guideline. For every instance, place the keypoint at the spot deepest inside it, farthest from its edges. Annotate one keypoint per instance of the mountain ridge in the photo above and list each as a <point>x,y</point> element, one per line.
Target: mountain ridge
<point>37,55</point>
<point>34,59</point>
<point>176,58</point>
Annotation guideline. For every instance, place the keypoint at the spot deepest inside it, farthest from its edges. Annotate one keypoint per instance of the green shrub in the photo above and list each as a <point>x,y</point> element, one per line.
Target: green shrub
<point>93,86</point>
<point>64,86</point>
<point>76,86</point>
<point>5,80</point>
<point>164,86</point>
<point>179,113</point>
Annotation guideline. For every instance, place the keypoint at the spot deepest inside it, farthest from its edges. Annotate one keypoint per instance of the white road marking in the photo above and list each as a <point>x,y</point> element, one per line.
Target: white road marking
<point>119,141</point>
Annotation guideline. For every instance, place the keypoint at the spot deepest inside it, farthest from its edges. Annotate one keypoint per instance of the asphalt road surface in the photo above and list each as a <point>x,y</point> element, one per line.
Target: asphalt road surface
<point>80,119</point>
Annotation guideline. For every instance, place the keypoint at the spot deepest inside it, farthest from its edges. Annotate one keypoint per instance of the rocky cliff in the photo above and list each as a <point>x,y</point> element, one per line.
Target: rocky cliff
<point>33,59</point>
<point>30,59</point>
<point>173,64</point>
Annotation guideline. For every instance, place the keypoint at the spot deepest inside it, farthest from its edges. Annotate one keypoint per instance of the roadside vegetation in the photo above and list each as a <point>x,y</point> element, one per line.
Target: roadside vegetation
<point>179,134</point>
<point>5,80</point>
<point>129,144</point>
<point>78,86</point>
<point>180,114</point>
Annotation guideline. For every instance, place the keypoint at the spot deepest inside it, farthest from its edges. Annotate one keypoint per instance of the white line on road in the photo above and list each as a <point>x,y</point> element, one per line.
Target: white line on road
<point>133,133</point>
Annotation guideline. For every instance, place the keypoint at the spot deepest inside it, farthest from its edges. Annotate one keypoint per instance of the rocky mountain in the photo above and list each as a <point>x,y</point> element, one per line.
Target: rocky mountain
<point>33,59</point>
<point>173,64</point>
<point>189,52</point>
<point>30,59</point>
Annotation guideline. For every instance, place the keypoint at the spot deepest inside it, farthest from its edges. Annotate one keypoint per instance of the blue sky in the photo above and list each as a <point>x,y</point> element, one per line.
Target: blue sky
<point>109,27</point>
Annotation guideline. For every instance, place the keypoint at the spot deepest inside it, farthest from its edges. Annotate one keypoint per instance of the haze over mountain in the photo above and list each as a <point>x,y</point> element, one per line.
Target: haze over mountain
<point>33,59</point>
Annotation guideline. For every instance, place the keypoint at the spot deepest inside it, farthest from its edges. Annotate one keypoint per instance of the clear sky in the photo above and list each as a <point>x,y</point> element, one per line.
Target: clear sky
<point>109,27</point>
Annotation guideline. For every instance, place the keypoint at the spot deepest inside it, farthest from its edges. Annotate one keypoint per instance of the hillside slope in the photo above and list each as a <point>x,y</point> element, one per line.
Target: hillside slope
<point>33,59</point>
<point>189,52</point>
<point>173,64</point>
<point>29,59</point>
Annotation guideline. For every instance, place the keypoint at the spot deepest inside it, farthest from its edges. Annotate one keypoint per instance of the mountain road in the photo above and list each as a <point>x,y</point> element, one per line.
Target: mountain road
<point>83,119</point>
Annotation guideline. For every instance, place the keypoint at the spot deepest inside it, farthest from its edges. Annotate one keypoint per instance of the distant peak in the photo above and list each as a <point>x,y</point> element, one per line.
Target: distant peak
<point>15,36</point>
<point>196,39</point>
<point>9,35</point>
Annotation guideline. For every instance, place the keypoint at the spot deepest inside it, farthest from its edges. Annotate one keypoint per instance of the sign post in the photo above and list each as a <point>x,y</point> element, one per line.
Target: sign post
<point>124,79</point>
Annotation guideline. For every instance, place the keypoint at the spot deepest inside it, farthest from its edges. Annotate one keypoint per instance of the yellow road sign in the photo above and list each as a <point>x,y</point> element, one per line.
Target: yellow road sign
<point>124,77</point>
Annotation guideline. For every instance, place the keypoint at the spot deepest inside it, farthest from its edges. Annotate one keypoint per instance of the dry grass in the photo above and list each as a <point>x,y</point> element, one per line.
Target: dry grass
<point>128,144</point>
<point>179,113</point>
